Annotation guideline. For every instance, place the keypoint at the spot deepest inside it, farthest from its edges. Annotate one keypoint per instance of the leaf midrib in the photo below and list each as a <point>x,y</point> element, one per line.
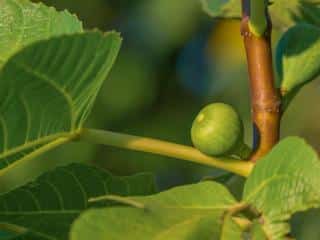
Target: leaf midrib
<point>222,207</point>
<point>174,226</point>
<point>41,212</point>
<point>37,142</point>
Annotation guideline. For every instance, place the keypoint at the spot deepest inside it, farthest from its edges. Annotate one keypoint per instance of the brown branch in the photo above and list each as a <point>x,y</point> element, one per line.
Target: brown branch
<point>265,98</point>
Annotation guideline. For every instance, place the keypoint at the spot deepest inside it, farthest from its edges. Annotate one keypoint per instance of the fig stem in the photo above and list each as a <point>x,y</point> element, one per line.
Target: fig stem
<point>265,99</point>
<point>243,151</point>
<point>243,223</point>
<point>159,147</point>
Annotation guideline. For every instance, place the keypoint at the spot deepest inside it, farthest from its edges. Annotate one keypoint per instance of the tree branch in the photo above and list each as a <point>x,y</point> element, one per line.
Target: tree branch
<point>265,98</point>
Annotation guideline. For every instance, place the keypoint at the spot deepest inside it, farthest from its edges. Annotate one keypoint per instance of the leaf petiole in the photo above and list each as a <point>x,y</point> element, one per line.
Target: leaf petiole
<point>164,148</point>
<point>118,199</point>
<point>258,20</point>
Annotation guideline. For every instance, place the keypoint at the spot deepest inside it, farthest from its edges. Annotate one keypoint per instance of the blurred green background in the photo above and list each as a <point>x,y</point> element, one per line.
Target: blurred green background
<point>174,60</point>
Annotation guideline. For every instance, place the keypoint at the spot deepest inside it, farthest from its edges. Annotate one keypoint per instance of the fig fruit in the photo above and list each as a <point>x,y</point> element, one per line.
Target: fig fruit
<point>218,131</point>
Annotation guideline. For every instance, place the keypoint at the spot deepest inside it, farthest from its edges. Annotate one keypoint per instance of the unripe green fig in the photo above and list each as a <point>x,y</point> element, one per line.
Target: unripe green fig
<point>218,131</point>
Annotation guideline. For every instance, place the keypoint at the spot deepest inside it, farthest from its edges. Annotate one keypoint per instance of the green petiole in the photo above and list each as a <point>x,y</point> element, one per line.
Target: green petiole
<point>164,148</point>
<point>258,20</point>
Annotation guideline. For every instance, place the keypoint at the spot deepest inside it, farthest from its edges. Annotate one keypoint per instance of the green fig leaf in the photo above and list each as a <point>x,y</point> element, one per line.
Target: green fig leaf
<point>23,22</point>
<point>230,230</point>
<point>257,232</point>
<point>222,8</point>
<point>44,103</point>
<point>284,182</point>
<point>297,61</point>
<point>284,13</point>
<point>46,208</point>
<point>187,212</point>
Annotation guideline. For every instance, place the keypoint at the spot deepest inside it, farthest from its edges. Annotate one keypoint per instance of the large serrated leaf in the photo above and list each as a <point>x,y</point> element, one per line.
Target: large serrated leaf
<point>298,55</point>
<point>284,182</point>
<point>284,13</point>
<point>47,91</point>
<point>23,22</point>
<point>46,208</point>
<point>188,212</point>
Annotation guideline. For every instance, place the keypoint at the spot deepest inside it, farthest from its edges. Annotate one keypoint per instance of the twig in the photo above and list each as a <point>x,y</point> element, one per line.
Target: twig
<point>265,98</point>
